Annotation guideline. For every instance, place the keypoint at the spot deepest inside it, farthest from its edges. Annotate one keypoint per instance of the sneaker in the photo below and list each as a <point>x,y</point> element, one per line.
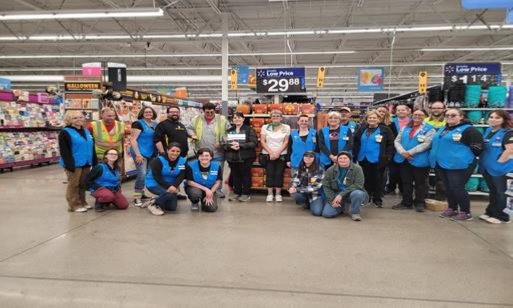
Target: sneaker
<point>89,207</point>
<point>484,217</point>
<point>356,217</point>
<point>144,197</point>
<point>99,207</point>
<point>155,210</point>
<point>233,197</point>
<point>448,213</point>
<point>138,203</point>
<point>149,202</point>
<point>195,206</point>
<point>401,206</point>
<point>279,198</point>
<point>80,210</point>
<point>269,198</point>
<point>419,208</point>
<point>493,220</point>
<point>220,194</point>
<point>378,204</point>
<point>462,216</point>
<point>244,198</point>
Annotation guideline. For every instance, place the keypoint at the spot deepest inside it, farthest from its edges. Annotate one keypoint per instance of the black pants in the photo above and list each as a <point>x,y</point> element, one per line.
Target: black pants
<point>373,179</point>
<point>498,186</point>
<point>394,177</point>
<point>414,177</point>
<point>455,181</point>
<point>240,176</point>
<point>274,172</point>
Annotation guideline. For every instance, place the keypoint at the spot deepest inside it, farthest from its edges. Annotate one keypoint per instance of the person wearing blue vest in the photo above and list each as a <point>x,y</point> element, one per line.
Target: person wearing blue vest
<point>343,186</point>
<point>401,119</point>
<point>345,120</point>
<point>104,181</point>
<point>495,163</point>
<point>143,148</point>
<point>76,146</point>
<point>333,139</point>
<point>165,175</point>
<point>453,153</point>
<point>374,148</point>
<point>301,140</point>
<point>306,184</point>
<point>203,176</point>
<point>412,146</point>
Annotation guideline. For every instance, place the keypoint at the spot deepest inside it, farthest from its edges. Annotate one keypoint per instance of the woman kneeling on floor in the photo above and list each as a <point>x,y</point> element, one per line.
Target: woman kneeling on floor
<point>343,186</point>
<point>163,179</point>
<point>104,181</point>
<point>306,186</point>
<point>203,178</point>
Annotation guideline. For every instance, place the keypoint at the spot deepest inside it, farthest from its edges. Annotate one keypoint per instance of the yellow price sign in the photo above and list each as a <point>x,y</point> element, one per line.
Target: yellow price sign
<point>233,79</point>
<point>320,77</point>
<point>423,82</point>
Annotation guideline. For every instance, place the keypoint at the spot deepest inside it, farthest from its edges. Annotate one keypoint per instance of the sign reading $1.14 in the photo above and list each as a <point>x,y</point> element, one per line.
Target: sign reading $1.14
<point>280,80</point>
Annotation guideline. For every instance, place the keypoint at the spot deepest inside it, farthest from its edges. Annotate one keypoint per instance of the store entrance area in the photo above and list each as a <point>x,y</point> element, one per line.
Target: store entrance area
<point>271,255</point>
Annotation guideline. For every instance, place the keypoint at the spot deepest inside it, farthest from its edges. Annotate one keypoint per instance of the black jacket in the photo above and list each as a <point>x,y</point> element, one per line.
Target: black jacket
<point>247,148</point>
<point>386,146</point>
<point>169,131</point>
<point>66,152</point>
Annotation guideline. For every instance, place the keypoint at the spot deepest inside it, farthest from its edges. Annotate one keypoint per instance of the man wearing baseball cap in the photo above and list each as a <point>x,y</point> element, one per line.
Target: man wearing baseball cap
<point>345,119</point>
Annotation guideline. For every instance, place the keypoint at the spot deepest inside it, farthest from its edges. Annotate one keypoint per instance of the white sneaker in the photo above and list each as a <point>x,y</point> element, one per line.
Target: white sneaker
<point>148,203</point>
<point>80,210</point>
<point>269,198</point>
<point>484,217</point>
<point>89,207</point>
<point>155,210</point>
<point>279,198</point>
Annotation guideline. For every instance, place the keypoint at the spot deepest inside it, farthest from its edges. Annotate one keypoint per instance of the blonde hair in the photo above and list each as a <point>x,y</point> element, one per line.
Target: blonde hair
<point>372,112</point>
<point>70,114</point>
<point>334,114</point>
<point>276,111</point>
<point>106,109</point>
<point>387,120</point>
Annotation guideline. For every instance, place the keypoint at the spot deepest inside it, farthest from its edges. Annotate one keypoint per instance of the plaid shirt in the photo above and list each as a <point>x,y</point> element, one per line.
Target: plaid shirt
<point>309,183</point>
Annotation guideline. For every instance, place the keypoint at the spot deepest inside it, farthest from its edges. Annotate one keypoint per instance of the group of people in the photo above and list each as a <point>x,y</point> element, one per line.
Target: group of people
<point>337,169</point>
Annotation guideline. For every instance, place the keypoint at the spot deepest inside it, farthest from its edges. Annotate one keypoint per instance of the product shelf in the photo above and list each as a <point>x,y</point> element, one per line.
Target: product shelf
<point>29,162</point>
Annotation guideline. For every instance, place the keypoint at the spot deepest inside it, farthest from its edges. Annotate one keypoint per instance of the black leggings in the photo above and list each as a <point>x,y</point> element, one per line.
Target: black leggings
<point>373,179</point>
<point>274,172</point>
<point>240,176</point>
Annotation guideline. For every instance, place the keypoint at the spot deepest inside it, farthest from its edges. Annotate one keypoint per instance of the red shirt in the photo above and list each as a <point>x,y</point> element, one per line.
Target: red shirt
<point>109,127</point>
<point>413,130</point>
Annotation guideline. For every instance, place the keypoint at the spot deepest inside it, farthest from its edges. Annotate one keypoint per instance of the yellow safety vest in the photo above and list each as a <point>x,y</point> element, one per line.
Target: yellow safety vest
<point>434,123</point>
<point>220,127</point>
<point>105,140</point>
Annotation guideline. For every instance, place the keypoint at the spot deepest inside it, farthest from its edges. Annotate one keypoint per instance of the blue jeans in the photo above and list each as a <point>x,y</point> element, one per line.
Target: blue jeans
<point>220,159</point>
<point>454,181</point>
<point>315,206</point>
<point>352,203</point>
<point>166,200</point>
<point>141,174</point>
<point>497,203</point>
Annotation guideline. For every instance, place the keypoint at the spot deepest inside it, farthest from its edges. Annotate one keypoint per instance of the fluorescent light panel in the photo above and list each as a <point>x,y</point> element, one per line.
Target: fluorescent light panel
<point>81,14</point>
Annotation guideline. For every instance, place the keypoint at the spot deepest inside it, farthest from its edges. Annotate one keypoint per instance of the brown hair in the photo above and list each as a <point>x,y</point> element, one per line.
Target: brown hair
<point>386,120</point>
<point>410,124</point>
<point>116,163</point>
<point>372,112</point>
<point>508,122</point>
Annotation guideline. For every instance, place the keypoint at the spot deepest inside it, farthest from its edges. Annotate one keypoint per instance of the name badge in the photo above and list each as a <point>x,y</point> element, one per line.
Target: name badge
<point>421,138</point>
<point>456,137</point>
<point>379,138</point>
<point>352,130</point>
<point>213,172</point>
<point>314,140</point>
<point>486,140</point>
<point>497,144</point>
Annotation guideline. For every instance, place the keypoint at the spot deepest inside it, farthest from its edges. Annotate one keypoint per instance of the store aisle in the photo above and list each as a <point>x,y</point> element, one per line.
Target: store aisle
<point>253,254</point>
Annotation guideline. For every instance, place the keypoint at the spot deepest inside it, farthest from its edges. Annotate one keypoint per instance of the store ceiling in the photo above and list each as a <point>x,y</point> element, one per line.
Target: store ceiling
<point>257,28</point>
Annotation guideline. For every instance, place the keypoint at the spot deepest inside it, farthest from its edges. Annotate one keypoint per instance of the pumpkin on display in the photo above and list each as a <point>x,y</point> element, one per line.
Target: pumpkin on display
<point>290,109</point>
<point>243,108</point>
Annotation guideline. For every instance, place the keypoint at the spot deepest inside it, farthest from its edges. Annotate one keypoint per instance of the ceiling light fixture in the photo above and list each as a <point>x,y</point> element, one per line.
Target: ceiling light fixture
<point>468,49</point>
<point>81,14</point>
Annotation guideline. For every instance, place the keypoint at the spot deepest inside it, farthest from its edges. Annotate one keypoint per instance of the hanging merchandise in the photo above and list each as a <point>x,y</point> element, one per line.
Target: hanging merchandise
<point>436,95</point>
<point>456,96</point>
<point>472,95</point>
<point>497,96</point>
<point>474,116</point>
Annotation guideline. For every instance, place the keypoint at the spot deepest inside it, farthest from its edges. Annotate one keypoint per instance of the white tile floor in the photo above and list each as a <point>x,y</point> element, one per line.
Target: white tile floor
<point>245,255</point>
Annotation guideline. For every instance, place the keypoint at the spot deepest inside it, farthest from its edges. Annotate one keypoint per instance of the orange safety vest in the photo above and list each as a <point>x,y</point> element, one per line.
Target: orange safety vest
<point>105,140</point>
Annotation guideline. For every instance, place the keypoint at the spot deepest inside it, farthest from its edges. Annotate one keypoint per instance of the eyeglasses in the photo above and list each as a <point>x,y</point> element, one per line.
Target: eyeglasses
<point>451,115</point>
<point>210,112</point>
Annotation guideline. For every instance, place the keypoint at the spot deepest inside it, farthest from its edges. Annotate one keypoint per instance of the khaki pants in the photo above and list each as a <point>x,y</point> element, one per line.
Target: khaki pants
<point>75,192</point>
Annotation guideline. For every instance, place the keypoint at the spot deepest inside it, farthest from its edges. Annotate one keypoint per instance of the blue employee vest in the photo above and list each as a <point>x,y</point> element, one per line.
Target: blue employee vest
<point>448,151</point>
<point>419,159</point>
<point>395,120</point>
<point>81,149</point>
<point>108,179</point>
<point>370,148</point>
<point>145,140</point>
<point>352,126</point>
<point>299,147</point>
<point>342,139</point>
<point>169,175</point>
<point>492,151</point>
<point>212,173</point>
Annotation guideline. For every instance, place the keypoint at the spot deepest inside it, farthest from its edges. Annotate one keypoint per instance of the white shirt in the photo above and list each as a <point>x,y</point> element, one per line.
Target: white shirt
<point>275,139</point>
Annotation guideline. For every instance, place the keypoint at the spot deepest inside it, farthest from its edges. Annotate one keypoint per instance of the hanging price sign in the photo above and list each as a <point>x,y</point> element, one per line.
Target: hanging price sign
<point>280,80</point>
<point>485,74</point>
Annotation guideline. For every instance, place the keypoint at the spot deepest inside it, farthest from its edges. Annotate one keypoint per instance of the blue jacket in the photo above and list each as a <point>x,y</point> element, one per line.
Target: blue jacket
<point>493,149</point>
<point>145,140</point>
<point>106,178</point>
<point>449,152</point>
<point>370,147</point>
<point>299,147</point>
